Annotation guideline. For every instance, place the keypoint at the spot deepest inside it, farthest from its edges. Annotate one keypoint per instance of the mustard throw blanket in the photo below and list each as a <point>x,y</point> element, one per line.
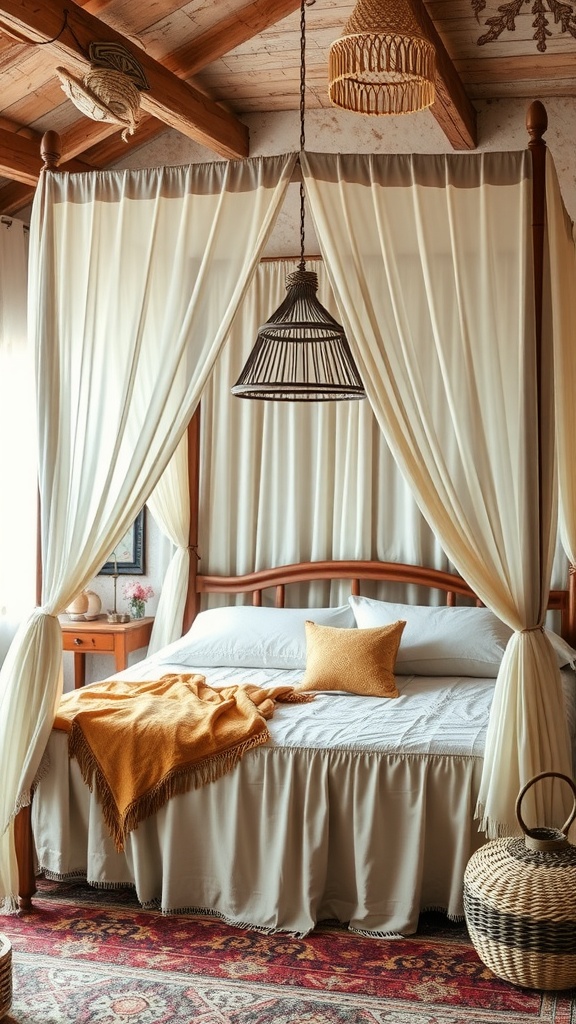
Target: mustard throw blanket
<point>141,743</point>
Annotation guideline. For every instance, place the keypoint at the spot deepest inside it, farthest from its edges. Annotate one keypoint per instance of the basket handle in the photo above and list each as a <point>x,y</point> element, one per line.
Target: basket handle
<point>524,790</point>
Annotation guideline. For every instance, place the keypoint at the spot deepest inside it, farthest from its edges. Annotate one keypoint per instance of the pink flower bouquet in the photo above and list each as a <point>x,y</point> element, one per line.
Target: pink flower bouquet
<point>137,595</point>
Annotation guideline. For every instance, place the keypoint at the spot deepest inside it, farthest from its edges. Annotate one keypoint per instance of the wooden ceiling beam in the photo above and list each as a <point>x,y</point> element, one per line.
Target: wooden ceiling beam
<point>185,62</point>
<point>170,99</point>
<point>20,192</point>
<point>20,160</point>
<point>100,142</point>
<point>227,34</point>
<point>14,197</point>
<point>452,109</point>
<point>84,134</point>
<point>106,151</point>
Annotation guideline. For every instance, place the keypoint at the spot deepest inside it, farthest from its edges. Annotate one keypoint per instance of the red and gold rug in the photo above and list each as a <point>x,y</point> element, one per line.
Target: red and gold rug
<point>95,956</point>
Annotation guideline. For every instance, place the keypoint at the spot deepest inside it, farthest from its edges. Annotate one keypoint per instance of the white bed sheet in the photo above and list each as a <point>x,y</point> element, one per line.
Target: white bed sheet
<point>360,809</point>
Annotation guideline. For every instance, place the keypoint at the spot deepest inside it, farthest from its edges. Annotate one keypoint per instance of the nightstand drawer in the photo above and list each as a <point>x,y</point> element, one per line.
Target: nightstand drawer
<point>99,636</point>
<point>87,642</point>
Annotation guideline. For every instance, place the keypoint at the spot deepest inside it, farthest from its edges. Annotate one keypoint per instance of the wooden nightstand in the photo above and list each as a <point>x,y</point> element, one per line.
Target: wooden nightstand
<point>102,637</point>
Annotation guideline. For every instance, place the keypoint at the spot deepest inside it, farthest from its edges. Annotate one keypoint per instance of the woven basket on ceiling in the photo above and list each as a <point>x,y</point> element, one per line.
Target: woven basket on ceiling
<point>5,975</point>
<point>104,94</point>
<point>520,903</point>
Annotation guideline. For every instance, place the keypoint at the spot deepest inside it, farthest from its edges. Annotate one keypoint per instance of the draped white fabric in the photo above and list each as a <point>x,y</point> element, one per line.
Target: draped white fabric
<point>126,332</point>
<point>18,495</point>
<point>169,504</point>
<point>563,295</point>
<point>430,259</point>
<point>282,482</point>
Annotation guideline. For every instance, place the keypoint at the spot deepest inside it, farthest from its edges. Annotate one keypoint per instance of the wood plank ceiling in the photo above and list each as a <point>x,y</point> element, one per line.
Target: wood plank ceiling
<point>210,63</point>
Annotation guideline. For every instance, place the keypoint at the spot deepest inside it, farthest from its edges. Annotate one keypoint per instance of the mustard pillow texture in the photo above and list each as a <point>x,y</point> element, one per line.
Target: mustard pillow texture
<point>356,660</point>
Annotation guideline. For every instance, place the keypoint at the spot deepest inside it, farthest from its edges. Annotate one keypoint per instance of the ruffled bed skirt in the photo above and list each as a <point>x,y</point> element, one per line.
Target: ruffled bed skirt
<point>294,837</point>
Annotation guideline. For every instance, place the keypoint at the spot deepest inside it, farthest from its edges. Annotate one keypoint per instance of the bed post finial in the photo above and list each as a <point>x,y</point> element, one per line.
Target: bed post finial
<point>536,122</point>
<point>51,150</point>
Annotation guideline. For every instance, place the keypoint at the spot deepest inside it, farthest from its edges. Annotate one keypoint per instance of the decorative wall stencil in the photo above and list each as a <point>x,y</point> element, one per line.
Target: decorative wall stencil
<point>562,13</point>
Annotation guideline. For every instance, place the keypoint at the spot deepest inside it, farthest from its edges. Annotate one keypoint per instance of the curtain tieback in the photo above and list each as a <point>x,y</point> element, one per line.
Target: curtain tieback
<point>532,629</point>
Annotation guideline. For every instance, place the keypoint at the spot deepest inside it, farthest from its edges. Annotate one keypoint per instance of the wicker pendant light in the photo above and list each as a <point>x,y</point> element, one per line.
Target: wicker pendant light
<point>383,63</point>
<point>301,353</point>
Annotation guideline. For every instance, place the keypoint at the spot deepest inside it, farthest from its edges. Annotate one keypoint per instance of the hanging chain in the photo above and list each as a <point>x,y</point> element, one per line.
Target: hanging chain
<point>302,111</point>
<point>302,70</point>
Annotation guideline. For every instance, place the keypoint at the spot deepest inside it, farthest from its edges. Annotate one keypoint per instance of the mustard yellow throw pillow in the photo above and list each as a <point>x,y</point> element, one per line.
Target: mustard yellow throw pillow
<point>357,660</point>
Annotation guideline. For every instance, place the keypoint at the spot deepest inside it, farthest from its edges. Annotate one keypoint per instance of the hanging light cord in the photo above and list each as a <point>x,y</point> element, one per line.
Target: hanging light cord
<point>46,42</point>
<point>302,111</point>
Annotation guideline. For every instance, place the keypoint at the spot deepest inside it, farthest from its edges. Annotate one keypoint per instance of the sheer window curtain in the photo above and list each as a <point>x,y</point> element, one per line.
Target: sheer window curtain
<point>430,259</point>
<point>282,482</point>
<point>18,472</point>
<point>126,331</point>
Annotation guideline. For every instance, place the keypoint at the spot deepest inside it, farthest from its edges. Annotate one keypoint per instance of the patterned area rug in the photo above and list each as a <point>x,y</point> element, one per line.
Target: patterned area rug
<point>95,956</point>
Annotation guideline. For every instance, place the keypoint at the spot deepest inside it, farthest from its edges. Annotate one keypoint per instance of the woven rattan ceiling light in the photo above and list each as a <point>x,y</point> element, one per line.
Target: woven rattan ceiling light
<point>301,354</point>
<point>382,63</point>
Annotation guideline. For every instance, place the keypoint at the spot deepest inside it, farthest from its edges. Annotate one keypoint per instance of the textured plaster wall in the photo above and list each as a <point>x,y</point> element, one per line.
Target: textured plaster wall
<point>501,126</point>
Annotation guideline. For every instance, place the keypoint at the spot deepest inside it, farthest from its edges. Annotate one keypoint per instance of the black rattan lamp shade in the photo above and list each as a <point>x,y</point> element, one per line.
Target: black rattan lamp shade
<point>301,353</point>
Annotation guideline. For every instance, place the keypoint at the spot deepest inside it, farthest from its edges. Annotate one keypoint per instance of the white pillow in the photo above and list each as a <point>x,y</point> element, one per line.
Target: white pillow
<point>247,637</point>
<point>440,641</point>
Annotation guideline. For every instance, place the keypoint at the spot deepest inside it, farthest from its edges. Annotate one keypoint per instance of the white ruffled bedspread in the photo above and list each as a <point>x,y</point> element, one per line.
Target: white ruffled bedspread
<point>360,809</point>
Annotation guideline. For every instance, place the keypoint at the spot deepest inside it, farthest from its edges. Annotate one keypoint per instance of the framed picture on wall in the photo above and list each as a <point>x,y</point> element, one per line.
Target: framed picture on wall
<point>130,551</point>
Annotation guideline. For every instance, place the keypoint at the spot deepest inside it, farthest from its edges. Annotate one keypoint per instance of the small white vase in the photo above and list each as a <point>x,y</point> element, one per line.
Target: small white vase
<point>77,610</point>
<point>94,605</point>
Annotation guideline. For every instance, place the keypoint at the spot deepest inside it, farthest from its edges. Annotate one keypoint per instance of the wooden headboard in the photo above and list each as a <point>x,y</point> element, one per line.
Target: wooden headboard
<point>452,585</point>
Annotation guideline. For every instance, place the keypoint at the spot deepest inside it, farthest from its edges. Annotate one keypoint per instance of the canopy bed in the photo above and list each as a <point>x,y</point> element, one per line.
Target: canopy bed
<point>483,474</point>
<point>359,808</point>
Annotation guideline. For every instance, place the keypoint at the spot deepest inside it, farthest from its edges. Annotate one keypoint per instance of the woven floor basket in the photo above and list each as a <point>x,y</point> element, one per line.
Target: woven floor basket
<point>5,976</point>
<point>520,904</point>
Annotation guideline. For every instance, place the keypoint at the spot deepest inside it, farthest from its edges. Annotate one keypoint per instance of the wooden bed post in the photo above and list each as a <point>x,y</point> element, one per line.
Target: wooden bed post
<point>24,844</point>
<point>536,124</point>
<point>193,598</point>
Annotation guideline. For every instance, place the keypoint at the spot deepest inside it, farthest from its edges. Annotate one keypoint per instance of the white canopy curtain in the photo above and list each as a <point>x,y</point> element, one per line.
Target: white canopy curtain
<point>284,481</point>
<point>169,504</point>
<point>430,259</point>
<point>18,494</point>
<point>126,332</point>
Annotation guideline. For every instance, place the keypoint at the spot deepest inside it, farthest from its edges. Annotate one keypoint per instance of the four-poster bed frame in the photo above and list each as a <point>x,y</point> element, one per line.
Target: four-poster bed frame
<point>454,587</point>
